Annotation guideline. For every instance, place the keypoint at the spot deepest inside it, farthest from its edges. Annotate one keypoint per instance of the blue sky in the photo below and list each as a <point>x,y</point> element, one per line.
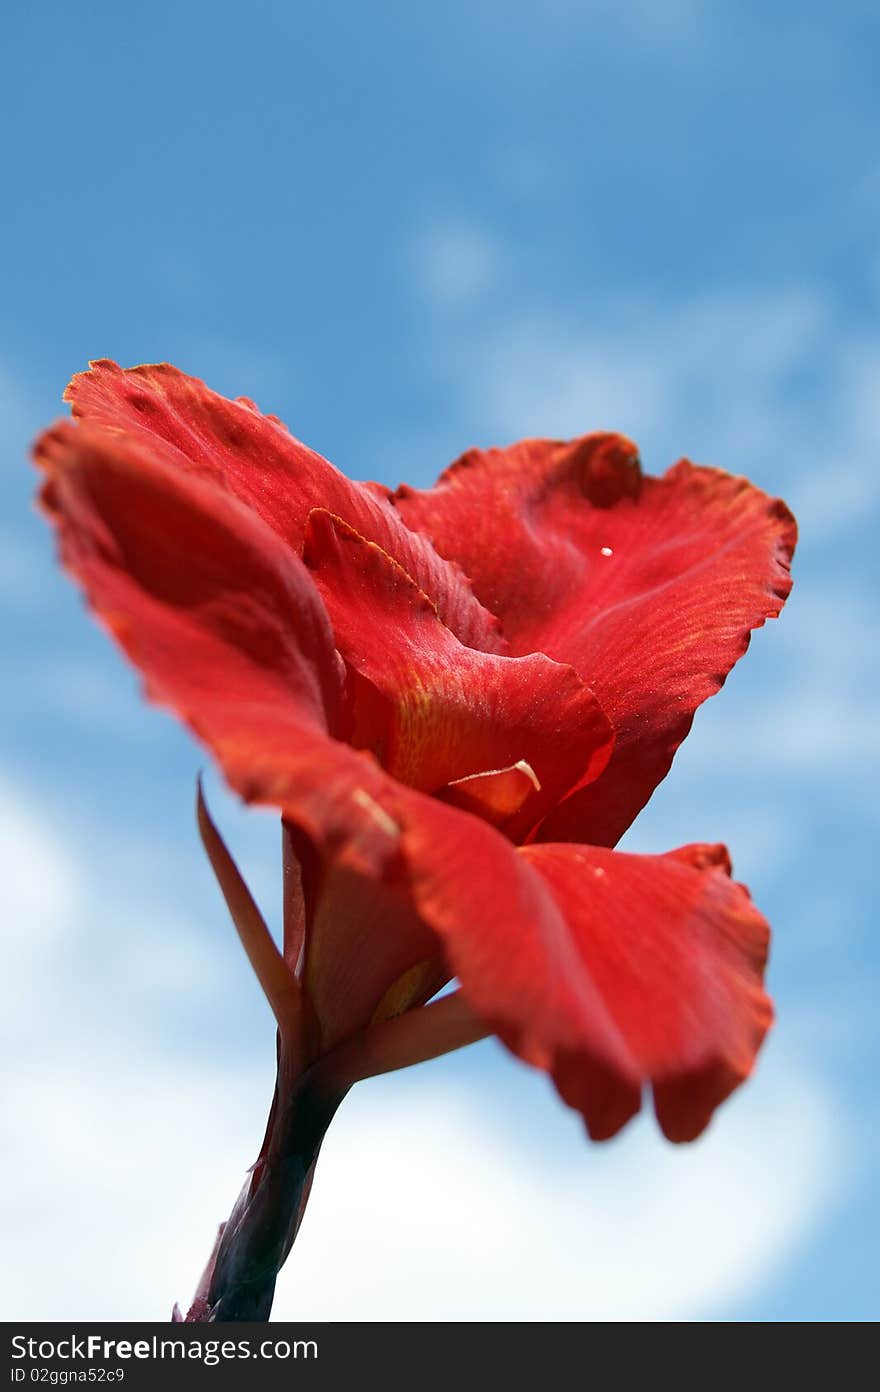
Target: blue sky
<point>409,229</point>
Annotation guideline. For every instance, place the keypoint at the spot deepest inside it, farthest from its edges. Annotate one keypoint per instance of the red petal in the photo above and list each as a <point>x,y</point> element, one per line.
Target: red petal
<point>648,587</point>
<point>220,616</point>
<point>227,627</point>
<point>254,457</point>
<point>448,712</point>
<point>364,936</point>
<point>293,897</point>
<point>223,619</point>
<point>677,952</point>
<point>611,971</point>
<point>660,983</point>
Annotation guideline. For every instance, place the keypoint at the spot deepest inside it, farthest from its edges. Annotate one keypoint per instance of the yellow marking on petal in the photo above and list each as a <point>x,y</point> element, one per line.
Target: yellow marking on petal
<point>378,814</point>
<point>420,981</point>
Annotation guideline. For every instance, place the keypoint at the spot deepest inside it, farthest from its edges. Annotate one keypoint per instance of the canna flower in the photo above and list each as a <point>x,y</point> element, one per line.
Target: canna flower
<point>458,700</point>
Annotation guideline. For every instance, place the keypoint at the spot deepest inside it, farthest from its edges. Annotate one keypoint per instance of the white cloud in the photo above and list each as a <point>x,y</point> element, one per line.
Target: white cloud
<point>720,378</point>
<point>42,891</point>
<point>125,1148</point>
<point>705,374</point>
<point>810,715</point>
<point>424,1210</point>
<point>119,1167</point>
<point>426,1205</point>
<point>532,47</point>
<point>454,261</point>
<point>774,384</point>
<point>842,485</point>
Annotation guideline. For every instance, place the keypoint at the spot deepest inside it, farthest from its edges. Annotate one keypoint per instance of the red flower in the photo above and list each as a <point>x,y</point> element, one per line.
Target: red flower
<point>459,699</point>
